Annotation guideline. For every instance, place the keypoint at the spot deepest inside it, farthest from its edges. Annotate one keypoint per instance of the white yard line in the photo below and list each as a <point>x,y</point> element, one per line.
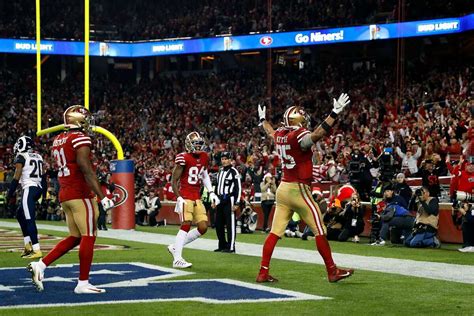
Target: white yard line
<point>425,269</point>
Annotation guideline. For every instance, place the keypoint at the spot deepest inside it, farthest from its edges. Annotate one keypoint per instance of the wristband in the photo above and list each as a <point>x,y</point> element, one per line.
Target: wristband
<point>262,119</point>
<point>325,127</point>
<point>333,115</point>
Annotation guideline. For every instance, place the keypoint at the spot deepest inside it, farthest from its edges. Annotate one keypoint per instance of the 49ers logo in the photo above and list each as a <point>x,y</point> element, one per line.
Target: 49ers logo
<point>266,40</point>
<point>120,195</point>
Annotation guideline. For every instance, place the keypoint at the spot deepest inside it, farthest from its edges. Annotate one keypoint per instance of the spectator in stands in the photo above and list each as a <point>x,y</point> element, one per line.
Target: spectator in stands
<point>409,160</point>
<point>430,178</point>
<point>402,188</point>
<point>268,188</point>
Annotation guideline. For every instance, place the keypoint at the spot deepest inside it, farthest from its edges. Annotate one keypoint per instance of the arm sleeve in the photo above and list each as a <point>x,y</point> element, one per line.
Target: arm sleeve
<point>305,141</point>
<point>179,160</point>
<point>20,159</point>
<point>206,181</point>
<point>158,204</point>
<point>432,207</point>
<point>418,153</point>
<point>81,140</point>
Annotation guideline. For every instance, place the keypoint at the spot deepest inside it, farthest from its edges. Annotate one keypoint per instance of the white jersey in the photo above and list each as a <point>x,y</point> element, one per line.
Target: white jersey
<point>32,169</point>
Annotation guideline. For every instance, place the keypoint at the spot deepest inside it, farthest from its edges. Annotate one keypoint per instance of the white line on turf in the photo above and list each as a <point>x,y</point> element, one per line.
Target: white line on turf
<point>425,269</point>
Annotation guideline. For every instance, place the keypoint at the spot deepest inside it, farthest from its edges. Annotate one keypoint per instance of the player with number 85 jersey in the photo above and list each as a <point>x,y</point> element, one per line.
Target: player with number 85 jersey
<point>293,142</point>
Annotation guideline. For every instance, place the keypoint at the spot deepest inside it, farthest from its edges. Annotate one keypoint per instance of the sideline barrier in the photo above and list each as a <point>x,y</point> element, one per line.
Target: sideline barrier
<point>447,232</point>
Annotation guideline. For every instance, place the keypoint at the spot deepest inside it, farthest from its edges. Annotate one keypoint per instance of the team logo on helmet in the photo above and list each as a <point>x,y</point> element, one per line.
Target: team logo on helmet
<point>23,144</point>
<point>295,116</point>
<point>77,116</point>
<point>194,142</point>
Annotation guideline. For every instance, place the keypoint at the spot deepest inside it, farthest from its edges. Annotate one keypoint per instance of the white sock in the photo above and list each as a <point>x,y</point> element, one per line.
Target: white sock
<point>82,282</point>
<point>179,244</point>
<point>36,247</point>
<point>27,240</point>
<point>192,236</point>
<point>41,265</point>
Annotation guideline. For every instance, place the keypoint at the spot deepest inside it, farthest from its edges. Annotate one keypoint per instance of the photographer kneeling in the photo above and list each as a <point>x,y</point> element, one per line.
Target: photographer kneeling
<point>463,215</point>
<point>426,222</point>
<point>395,217</point>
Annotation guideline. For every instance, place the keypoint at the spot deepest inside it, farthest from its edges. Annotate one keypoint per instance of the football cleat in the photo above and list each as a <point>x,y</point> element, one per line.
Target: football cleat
<point>88,289</point>
<point>265,277</point>
<point>34,255</point>
<point>37,275</point>
<point>337,274</point>
<point>181,264</point>
<point>171,250</point>
<point>28,249</point>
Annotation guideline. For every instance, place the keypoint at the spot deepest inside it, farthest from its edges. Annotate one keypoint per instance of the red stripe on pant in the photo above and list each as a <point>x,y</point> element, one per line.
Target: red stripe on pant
<point>312,208</point>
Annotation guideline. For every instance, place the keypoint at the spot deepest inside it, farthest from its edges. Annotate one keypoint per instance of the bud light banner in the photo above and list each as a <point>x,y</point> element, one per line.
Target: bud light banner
<point>247,42</point>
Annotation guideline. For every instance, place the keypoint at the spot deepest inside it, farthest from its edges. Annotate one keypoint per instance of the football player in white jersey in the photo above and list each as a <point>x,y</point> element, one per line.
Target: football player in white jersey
<point>29,173</point>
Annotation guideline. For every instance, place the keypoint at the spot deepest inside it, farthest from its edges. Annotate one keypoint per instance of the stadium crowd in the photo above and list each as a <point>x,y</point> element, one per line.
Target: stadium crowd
<point>141,20</point>
<point>151,119</point>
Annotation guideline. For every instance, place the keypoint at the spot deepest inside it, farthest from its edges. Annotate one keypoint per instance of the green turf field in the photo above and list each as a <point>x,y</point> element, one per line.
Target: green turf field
<point>366,293</point>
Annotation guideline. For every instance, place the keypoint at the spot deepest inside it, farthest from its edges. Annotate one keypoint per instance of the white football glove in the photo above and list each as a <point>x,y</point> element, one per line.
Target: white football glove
<point>107,203</point>
<point>179,208</point>
<point>261,113</point>
<point>341,103</point>
<point>214,199</point>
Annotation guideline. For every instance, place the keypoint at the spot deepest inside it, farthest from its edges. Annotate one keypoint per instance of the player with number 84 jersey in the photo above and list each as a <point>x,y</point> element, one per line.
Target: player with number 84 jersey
<point>71,179</point>
<point>190,181</point>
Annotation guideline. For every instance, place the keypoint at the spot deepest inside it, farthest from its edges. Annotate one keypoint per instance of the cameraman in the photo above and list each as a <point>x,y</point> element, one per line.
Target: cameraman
<point>463,215</point>
<point>395,217</point>
<point>359,174</point>
<point>462,210</point>
<point>353,220</point>
<point>426,222</point>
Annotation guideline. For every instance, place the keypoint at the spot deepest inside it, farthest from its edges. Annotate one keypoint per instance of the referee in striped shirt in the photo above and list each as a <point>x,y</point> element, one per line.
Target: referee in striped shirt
<point>229,189</point>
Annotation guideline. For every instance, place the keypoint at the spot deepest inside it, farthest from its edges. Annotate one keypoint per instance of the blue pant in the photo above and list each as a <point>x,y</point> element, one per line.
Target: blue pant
<point>420,240</point>
<point>26,212</point>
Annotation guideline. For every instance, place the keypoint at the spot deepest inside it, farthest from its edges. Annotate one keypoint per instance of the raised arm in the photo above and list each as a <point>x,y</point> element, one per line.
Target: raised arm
<point>263,122</point>
<point>325,126</point>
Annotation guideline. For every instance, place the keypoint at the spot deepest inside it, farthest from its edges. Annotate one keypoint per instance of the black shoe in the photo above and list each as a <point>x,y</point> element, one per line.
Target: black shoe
<point>228,251</point>
<point>219,250</point>
<point>104,228</point>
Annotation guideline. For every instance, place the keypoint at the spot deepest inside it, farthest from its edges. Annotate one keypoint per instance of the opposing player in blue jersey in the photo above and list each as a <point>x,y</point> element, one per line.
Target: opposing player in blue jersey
<point>29,173</point>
